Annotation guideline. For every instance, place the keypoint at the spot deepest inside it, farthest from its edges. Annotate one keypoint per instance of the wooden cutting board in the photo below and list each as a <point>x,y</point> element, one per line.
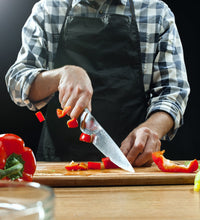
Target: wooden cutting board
<point>55,174</point>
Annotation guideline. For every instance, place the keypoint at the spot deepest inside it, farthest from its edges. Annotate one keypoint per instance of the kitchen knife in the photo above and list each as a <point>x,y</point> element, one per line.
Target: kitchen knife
<point>102,141</point>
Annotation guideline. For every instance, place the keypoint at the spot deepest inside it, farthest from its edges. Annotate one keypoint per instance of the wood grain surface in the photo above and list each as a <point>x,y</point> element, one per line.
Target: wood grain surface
<point>171,202</point>
<point>55,174</point>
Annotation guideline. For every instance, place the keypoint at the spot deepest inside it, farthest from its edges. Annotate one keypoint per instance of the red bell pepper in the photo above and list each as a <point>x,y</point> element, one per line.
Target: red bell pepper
<point>2,157</point>
<point>72,166</point>
<point>61,113</point>
<point>76,166</point>
<point>17,162</point>
<point>72,123</point>
<point>94,165</point>
<point>85,138</point>
<point>170,166</point>
<point>82,166</point>
<point>108,164</point>
<point>40,116</point>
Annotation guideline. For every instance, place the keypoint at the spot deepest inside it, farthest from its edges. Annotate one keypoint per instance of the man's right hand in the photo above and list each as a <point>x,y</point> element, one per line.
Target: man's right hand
<point>72,82</point>
<point>75,90</point>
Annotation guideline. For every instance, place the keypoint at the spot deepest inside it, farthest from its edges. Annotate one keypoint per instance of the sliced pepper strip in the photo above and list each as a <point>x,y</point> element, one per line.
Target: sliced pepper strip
<point>17,161</point>
<point>170,166</point>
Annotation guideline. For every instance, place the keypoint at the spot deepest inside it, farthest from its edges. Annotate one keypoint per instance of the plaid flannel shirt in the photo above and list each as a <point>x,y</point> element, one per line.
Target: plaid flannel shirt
<point>164,73</point>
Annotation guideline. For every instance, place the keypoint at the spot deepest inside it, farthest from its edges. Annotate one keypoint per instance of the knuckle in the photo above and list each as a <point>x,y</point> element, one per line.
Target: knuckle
<point>140,147</point>
<point>79,90</point>
<point>146,130</point>
<point>66,68</point>
<point>155,135</point>
<point>143,131</point>
<point>88,93</point>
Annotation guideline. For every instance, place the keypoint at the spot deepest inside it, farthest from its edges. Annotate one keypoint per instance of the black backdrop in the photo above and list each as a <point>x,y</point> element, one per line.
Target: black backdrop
<point>21,121</point>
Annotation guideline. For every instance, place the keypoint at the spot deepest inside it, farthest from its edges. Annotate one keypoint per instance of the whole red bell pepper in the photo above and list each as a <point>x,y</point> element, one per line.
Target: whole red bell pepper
<point>17,162</point>
<point>170,166</point>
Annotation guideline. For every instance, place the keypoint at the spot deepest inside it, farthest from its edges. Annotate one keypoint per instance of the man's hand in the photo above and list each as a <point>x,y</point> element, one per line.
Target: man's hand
<point>145,139</point>
<point>75,90</point>
<point>72,82</point>
<point>139,145</point>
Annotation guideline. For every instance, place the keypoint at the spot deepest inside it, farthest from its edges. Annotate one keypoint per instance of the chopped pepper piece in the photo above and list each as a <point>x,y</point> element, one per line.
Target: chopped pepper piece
<point>72,123</point>
<point>76,166</point>
<point>108,164</point>
<point>61,113</point>
<point>72,166</point>
<point>170,166</point>
<point>94,165</point>
<point>85,138</point>
<point>40,116</point>
<point>17,162</point>
<point>82,166</point>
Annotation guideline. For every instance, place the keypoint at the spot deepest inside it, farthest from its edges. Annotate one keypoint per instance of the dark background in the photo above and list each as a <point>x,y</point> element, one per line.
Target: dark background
<point>21,121</point>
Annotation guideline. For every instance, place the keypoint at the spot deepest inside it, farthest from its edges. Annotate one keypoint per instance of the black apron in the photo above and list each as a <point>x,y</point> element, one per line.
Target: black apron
<point>108,48</point>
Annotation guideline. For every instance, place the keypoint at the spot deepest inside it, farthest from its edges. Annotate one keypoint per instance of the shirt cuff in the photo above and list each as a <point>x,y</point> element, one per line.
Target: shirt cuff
<point>33,106</point>
<point>173,110</point>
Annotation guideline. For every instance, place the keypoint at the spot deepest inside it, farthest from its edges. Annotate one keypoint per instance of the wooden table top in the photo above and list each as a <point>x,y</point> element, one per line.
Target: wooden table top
<point>127,202</point>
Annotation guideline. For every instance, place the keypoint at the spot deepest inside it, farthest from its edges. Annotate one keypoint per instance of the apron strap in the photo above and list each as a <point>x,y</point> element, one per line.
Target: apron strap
<point>69,7</point>
<point>132,9</point>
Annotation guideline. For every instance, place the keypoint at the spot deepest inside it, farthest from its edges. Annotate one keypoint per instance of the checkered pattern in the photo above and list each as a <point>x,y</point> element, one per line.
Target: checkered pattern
<point>164,73</point>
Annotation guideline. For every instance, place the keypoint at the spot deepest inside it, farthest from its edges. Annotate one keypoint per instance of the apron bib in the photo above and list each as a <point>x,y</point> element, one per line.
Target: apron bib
<point>108,48</point>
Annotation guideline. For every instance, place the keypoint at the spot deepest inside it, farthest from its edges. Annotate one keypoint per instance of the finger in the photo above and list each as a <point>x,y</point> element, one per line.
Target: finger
<point>64,94</point>
<point>127,144</point>
<point>60,96</point>
<point>146,156</point>
<point>71,102</point>
<point>90,105</point>
<point>138,146</point>
<point>158,145</point>
<point>79,106</point>
<point>148,164</point>
<point>64,100</point>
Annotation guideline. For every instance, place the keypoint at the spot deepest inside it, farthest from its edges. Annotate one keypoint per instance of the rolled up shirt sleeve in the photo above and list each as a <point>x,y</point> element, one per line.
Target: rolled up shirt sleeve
<point>31,60</point>
<point>169,89</point>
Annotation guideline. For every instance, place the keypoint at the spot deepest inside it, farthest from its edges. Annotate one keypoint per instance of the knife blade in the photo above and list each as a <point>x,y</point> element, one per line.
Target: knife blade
<point>102,141</point>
